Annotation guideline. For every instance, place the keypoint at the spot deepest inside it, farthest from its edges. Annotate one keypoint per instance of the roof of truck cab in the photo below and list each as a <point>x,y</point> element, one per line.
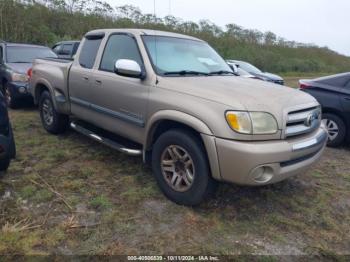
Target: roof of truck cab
<point>144,32</point>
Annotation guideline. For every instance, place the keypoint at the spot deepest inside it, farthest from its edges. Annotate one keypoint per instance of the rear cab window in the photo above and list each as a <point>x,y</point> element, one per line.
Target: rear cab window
<point>89,52</point>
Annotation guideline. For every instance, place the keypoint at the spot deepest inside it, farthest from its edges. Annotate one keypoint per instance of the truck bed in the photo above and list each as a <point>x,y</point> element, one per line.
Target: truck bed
<point>53,73</point>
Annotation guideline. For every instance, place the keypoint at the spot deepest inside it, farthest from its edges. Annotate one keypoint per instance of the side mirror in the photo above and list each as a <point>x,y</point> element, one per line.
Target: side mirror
<point>128,68</point>
<point>234,68</point>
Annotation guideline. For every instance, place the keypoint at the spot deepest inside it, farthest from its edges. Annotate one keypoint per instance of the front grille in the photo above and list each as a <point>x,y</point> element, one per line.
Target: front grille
<point>303,121</point>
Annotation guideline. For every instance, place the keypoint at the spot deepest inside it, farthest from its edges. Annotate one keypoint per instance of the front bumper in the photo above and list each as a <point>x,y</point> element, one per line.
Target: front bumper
<point>19,90</point>
<point>267,162</point>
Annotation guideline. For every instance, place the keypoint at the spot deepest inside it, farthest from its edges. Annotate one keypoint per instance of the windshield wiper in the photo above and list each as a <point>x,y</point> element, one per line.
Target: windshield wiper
<point>186,72</point>
<point>20,62</point>
<point>222,72</point>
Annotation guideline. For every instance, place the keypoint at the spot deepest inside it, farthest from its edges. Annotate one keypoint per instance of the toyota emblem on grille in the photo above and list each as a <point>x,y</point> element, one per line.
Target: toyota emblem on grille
<point>312,118</point>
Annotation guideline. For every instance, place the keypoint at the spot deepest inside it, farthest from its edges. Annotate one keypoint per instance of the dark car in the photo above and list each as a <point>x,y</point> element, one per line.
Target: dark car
<point>7,143</point>
<point>15,61</point>
<point>66,49</point>
<point>257,72</point>
<point>240,72</point>
<point>333,93</point>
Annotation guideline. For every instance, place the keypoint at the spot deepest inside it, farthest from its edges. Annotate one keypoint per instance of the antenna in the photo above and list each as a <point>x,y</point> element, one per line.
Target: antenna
<point>154,10</point>
<point>155,38</point>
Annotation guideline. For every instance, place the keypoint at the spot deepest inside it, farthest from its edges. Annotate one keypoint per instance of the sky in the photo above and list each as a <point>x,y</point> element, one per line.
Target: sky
<point>322,22</point>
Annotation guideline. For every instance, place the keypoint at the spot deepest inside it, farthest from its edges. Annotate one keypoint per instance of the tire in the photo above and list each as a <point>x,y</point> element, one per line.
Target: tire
<point>202,185</point>
<point>11,102</point>
<point>4,164</point>
<point>53,122</point>
<point>336,129</point>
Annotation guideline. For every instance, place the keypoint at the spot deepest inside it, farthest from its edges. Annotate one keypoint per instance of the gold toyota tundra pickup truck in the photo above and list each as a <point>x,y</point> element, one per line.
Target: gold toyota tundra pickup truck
<point>172,99</point>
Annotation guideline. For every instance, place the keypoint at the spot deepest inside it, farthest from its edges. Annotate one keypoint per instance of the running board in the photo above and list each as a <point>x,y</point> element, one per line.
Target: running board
<point>105,141</point>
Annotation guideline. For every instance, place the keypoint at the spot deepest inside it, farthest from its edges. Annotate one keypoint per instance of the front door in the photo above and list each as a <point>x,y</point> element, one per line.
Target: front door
<point>121,102</point>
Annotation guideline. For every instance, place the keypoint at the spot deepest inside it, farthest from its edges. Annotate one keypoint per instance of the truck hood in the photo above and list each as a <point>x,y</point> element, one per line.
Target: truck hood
<point>21,68</point>
<point>241,93</point>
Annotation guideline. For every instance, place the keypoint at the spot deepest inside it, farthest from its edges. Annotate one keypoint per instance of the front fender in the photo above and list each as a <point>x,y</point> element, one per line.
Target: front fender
<point>177,116</point>
<point>190,121</point>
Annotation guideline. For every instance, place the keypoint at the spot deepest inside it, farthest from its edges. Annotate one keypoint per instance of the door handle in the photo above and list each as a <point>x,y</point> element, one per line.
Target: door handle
<point>85,78</point>
<point>347,98</point>
<point>99,82</point>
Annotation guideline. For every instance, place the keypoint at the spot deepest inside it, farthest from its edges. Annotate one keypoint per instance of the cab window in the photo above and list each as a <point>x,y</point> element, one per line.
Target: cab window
<point>119,46</point>
<point>89,52</point>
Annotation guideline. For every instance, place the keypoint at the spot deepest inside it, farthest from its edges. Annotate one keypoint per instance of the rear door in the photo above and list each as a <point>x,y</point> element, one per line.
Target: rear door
<point>81,77</point>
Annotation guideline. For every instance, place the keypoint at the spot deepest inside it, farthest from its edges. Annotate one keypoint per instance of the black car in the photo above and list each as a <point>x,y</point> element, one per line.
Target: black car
<point>257,73</point>
<point>333,93</point>
<point>66,49</point>
<point>7,142</point>
<point>15,61</point>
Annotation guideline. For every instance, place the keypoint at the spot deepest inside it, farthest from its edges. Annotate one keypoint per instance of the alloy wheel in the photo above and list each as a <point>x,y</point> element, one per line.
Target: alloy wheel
<point>177,168</point>
<point>48,112</point>
<point>332,128</point>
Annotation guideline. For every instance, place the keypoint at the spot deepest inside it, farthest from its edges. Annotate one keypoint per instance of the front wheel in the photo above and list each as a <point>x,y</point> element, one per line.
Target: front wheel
<point>336,129</point>
<point>53,122</point>
<point>181,169</point>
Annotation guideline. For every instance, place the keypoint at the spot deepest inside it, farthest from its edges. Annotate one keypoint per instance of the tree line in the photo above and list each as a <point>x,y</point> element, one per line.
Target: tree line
<point>49,21</point>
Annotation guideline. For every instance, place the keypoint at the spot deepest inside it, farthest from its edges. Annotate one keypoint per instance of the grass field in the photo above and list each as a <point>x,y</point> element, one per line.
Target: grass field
<point>69,195</point>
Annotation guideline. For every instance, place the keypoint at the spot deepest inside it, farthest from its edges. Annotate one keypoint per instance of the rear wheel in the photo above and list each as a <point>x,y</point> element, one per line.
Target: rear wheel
<point>53,122</point>
<point>336,129</point>
<point>181,168</point>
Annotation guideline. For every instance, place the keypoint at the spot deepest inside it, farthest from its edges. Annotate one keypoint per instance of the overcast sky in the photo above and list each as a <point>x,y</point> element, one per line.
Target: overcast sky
<point>323,22</point>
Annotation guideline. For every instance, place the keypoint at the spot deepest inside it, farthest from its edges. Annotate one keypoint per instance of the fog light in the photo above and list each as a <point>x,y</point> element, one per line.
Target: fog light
<point>262,174</point>
<point>22,90</point>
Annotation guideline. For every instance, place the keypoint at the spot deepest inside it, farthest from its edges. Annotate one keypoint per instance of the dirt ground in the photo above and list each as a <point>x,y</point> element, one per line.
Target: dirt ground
<point>69,195</point>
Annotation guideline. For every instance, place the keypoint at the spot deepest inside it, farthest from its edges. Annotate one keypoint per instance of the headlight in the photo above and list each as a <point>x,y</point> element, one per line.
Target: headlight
<point>19,77</point>
<point>263,123</point>
<point>256,123</point>
<point>239,121</point>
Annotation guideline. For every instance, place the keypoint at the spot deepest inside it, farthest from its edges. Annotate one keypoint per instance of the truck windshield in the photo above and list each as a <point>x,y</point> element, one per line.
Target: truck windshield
<point>19,54</point>
<point>177,56</point>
